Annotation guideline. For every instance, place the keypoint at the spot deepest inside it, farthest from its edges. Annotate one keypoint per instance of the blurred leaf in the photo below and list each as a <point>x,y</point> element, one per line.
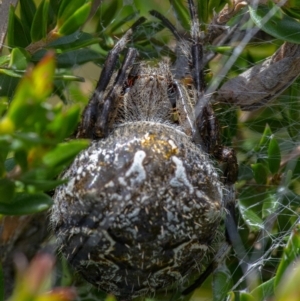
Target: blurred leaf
<point>182,13</point>
<point>74,41</point>
<point>16,36</point>
<point>34,87</point>
<point>203,11</point>
<point>64,153</point>
<point>75,20</point>
<point>251,218</point>
<point>264,140</point>
<point>270,204</point>
<point>246,297</point>
<point>77,57</point>
<point>274,156</point>
<point>222,283</point>
<point>291,253</point>
<point>108,11</point>
<point>264,291</point>
<point>18,59</point>
<point>7,190</point>
<point>279,26</point>
<point>39,23</point>
<point>260,173</point>
<point>65,123</point>
<point>27,11</point>
<point>66,9</point>
<point>1,284</point>
<point>26,203</point>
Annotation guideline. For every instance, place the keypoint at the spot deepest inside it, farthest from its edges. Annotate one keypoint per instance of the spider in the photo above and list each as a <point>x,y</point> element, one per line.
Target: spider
<point>144,205</point>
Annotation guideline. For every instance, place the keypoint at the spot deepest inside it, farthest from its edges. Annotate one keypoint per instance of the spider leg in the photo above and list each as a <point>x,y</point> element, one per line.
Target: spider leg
<point>166,22</point>
<point>90,113</point>
<point>106,107</point>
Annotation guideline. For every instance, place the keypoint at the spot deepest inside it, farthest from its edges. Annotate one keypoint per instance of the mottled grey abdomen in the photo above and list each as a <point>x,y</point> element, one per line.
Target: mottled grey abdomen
<point>140,211</point>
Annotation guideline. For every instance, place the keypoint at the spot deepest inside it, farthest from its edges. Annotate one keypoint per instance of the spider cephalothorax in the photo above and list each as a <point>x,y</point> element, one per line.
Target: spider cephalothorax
<point>144,204</point>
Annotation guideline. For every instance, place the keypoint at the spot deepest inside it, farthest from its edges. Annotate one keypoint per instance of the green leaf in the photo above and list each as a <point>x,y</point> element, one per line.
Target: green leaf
<point>108,11</point>
<point>26,203</point>
<point>280,26</point>
<point>264,291</point>
<point>64,153</point>
<point>27,11</point>
<point>274,156</point>
<point>66,9</point>
<point>75,20</point>
<point>203,11</point>
<point>7,190</point>
<point>251,218</point>
<point>246,297</point>
<point>39,23</point>
<point>264,140</point>
<point>35,86</point>
<point>18,59</point>
<point>16,36</point>
<point>182,13</point>
<point>290,254</point>
<point>77,57</point>
<point>260,172</point>
<point>74,41</point>
<point>270,204</point>
<point>222,283</point>
<point>65,123</point>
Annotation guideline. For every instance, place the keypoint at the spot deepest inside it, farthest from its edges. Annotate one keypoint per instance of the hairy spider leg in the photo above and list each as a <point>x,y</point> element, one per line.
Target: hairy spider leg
<point>91,111</point>
<point>106,107</point>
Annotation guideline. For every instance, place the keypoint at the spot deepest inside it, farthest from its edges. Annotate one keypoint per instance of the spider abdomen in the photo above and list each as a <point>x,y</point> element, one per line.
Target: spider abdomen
<point>141,210</point>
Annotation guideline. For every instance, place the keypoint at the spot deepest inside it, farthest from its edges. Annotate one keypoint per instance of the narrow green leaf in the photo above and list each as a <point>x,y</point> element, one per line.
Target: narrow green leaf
<point>67,9</point>
<point>254,222</point>
<point>16,36</point>
<point>203,11</point>
<point>108,11</point>
<point>246,297</point>
<point>45,18</point>
<point>75,20</point>
<point>27,11</point>
<point>274,156</point>
<point>279,26</point>
<point>222,283</point>
<point>64,153</point>
<point>264,291</point>
<point>260,172</point>
<point>182,13</point>
<point>290,254</point>
<point>7,190</point>
<point>26,203</point>
<point>270,204</point>
<point>18,59</point>
<point>38,24</point>
<point>264,140</point>
<point>74,41</point>
<point>77,57</point>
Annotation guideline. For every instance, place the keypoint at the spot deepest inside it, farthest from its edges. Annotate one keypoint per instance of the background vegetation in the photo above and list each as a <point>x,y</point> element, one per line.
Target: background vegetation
<point>50,42</point>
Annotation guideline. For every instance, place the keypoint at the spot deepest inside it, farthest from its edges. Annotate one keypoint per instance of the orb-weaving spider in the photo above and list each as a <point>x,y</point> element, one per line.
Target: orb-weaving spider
<point>144,205</point>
